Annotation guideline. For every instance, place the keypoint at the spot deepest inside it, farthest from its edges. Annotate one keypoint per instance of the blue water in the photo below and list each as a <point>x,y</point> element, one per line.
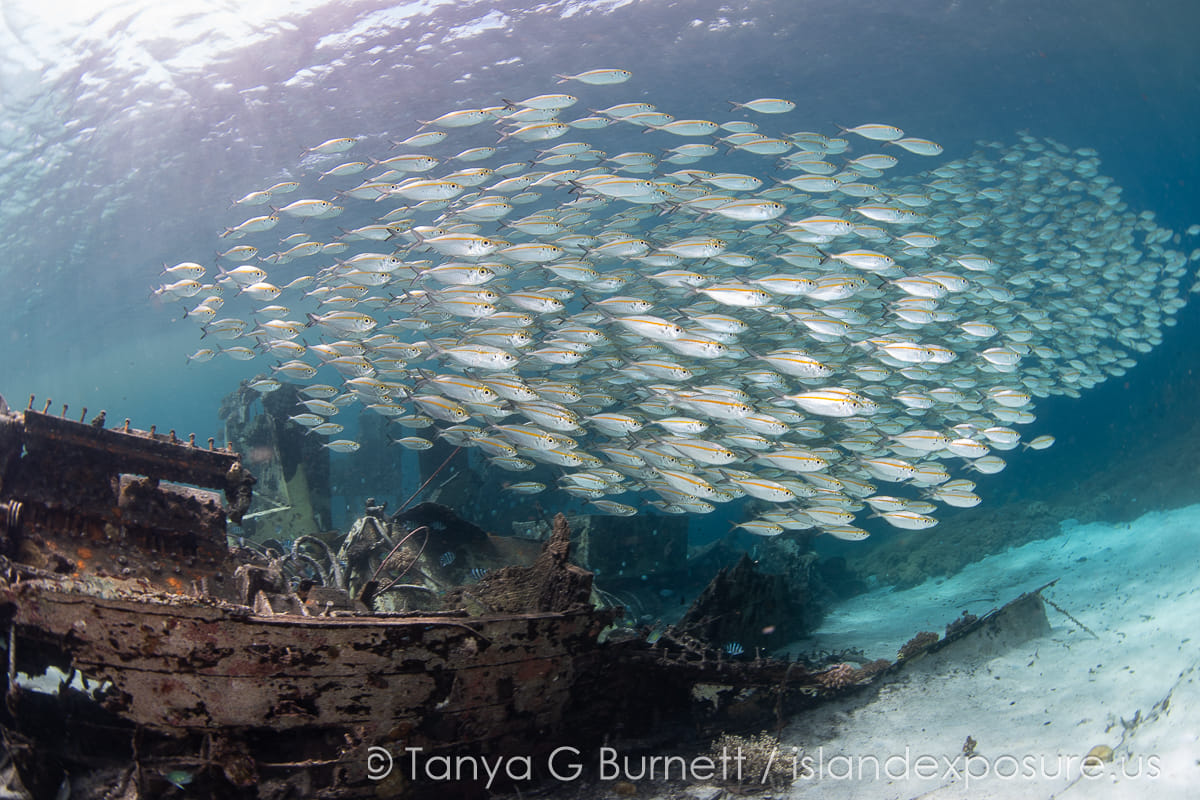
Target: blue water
<point>125,140</point>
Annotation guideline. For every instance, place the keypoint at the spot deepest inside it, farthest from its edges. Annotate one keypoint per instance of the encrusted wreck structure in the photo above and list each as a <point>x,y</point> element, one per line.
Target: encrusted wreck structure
<point>144,650</point>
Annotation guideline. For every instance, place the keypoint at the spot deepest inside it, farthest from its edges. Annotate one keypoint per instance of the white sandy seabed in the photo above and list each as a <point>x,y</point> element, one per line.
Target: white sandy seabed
<point>1036,708</point>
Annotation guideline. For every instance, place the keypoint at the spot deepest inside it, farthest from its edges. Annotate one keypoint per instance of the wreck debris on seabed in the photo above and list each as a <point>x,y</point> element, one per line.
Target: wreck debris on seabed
<point>146,655</point>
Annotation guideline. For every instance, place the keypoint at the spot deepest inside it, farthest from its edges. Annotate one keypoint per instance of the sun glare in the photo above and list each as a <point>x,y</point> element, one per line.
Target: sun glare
<point>45,34</point>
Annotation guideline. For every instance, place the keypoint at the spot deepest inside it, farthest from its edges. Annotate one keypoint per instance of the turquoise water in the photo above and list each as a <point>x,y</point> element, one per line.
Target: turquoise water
<point>128,131</point>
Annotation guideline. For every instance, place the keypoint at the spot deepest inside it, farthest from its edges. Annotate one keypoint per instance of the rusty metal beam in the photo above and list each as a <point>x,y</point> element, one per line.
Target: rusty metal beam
<point>132,451</point>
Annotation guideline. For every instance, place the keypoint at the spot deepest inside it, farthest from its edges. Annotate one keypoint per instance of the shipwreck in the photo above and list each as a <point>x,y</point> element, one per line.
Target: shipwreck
<point>148,649</point>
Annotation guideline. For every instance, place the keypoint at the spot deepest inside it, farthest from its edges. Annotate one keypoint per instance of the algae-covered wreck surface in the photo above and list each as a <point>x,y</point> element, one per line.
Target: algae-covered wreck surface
<point>124,583</point>
<point>269,673</point>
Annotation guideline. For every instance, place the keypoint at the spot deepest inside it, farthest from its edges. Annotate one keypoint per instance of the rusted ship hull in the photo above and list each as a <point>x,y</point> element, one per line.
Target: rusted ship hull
<point>185,663</point>
<point>176,666</point>
<point>180,665</point>
<point>179,658</point>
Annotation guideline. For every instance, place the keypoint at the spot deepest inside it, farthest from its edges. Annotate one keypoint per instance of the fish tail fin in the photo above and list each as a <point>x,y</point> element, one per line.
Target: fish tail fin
<point>312,320</point>
<point>508,104</point>
<point>649,128</point>
<point>824,256</point>
<point>733,106</point>
<point>562,78</point>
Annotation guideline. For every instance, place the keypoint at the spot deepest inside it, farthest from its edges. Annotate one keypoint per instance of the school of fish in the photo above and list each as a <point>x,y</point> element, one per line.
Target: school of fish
<point>728,313</point>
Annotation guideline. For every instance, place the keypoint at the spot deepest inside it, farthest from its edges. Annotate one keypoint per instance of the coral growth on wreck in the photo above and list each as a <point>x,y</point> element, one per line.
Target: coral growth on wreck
<point>918,644</point>
<point>839,676</point>
<point>760,760</point>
